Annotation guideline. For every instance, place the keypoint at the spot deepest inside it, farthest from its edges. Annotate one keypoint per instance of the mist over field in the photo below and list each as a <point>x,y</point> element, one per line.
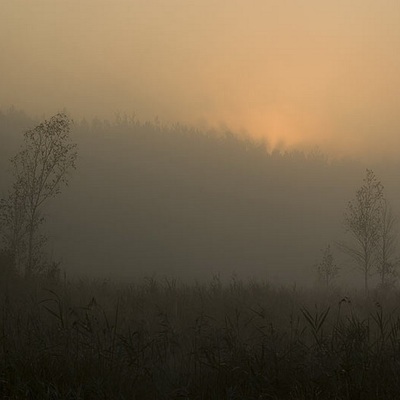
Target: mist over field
<point>186,263</point>
<point>169,200</point>
<point>212,138</point>
<point>199,200</point>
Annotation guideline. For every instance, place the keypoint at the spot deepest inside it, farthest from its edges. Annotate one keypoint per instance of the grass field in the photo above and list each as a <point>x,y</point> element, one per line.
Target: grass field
<point>161,339</point>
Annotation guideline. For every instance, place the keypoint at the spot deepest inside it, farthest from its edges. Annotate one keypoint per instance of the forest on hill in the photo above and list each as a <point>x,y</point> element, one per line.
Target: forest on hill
<point>151,198</point>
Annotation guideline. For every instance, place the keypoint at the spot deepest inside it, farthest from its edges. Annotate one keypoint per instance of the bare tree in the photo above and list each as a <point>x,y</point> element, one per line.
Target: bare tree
<point>327,269</point>
<point>40,170</point>
<point>13,220</point>
<point>387,249</point>
<point>363,220</point>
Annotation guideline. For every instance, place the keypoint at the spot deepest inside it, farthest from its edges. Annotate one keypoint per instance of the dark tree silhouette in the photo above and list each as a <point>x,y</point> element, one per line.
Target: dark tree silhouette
<point>327,269</point>
<point>387,249</point>
<point>40,169</point>
<point>363,220</point>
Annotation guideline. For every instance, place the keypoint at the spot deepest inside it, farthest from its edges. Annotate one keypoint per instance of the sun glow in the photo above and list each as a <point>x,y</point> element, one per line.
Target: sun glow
<point>292,73</point>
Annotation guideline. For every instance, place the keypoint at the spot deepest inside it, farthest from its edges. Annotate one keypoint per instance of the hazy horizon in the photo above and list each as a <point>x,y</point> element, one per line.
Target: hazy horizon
<point>169,200</point>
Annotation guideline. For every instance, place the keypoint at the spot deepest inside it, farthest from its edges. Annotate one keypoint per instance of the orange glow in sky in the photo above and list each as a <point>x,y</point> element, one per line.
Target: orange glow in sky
<point>297,73</point>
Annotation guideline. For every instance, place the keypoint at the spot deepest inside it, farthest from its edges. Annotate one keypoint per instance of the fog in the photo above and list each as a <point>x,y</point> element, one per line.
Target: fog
<point>298,73</point>
<point>213,137</point>
<point>199,199</point>
<point>169,200</point>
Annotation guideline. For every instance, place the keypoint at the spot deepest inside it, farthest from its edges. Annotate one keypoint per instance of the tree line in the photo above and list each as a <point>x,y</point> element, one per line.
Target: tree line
<point>42,167</point>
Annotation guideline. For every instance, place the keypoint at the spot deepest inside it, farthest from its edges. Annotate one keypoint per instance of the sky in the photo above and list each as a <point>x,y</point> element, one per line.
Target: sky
<point>297,73</point>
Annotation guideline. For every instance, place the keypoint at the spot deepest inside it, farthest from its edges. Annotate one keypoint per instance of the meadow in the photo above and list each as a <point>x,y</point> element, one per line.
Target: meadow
<point>164,339</point>
<point>186,203</point>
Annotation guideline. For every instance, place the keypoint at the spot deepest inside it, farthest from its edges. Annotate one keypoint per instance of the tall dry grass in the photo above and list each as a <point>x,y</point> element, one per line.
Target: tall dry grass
<point>162,339</point>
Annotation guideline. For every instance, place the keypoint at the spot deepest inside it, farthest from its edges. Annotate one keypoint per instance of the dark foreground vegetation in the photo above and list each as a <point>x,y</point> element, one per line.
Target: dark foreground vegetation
<point>165,340</point>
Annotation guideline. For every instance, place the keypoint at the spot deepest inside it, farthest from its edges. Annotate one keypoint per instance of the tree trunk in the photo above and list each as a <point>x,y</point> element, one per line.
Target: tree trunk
<point>32,228</point>
<point>29,266</point>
